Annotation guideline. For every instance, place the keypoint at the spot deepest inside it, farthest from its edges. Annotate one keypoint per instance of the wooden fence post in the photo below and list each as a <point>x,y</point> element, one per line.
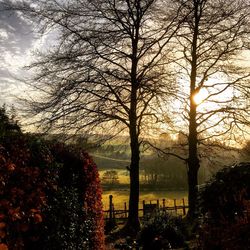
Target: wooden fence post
<point>111,208</point>
<point>164,204</point>
<point>125,208</point>
<point>143,207</point>
<point>175,207</point>
<point>184,207</point>
<point>158,206</point>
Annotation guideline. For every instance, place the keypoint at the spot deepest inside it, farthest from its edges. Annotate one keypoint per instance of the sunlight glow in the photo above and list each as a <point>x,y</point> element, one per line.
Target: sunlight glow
<point>200,96</point>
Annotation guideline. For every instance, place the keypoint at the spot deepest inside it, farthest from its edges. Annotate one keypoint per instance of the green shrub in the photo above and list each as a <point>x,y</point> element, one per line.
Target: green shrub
<point>163,231</point>
<point>79,173</point>
<point>8,126</point>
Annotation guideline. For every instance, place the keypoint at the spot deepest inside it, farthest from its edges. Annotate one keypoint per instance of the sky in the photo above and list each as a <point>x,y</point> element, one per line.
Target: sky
<point>17,43</point>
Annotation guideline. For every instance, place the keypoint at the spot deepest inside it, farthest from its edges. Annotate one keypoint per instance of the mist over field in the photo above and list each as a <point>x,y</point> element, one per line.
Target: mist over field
<point>156,172</point>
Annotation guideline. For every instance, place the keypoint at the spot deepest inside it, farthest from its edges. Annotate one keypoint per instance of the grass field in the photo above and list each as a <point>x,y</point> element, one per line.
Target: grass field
<point>119,197</point>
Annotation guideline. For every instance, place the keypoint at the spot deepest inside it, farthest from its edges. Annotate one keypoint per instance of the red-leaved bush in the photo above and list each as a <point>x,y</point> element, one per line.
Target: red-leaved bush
<point>80,172</point>
<point>50,196</point>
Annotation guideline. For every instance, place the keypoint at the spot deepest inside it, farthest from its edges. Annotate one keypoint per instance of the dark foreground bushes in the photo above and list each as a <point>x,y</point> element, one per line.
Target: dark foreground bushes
<point>226,196</point>
<point>225,209</point>
<point>162,231</point>
<point>50,196</point>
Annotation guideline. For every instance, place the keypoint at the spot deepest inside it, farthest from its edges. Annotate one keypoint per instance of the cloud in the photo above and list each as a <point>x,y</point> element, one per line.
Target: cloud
<point>16,42</point>
<point>16,34</point>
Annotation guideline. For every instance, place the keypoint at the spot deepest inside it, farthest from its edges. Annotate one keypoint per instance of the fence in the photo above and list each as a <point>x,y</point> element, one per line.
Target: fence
<point>146,208</point>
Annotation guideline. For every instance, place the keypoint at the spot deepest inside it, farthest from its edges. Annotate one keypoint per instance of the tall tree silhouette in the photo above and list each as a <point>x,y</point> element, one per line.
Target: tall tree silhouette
<point>107,69</point>
<point>215,103</point>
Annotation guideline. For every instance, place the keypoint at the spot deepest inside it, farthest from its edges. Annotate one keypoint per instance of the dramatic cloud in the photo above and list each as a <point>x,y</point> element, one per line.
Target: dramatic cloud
<point>16,41</point>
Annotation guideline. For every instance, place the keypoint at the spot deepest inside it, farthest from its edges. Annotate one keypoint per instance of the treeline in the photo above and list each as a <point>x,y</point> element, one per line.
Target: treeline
<point>158,172</point>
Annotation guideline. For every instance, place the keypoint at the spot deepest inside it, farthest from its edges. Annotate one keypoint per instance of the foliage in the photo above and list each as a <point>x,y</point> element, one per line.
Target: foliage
<point>24,190</point>
<point>64,227</point>
<point>224,197</point>
<point>79,172</point>
<point>168,173</point>
<point>224,205</point>
<point>50,196</point>
<point>163,231</point>
<point>7,125</point>
<point>110,177</point>
<point>236,237</point>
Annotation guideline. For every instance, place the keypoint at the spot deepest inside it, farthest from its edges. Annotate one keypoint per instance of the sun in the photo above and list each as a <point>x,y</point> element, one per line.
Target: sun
<point>200,96</point>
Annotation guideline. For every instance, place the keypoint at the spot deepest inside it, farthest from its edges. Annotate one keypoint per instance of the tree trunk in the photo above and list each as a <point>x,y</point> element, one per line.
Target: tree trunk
<point>193,160</point>
<point>193,167</point>
<point>133,223</point>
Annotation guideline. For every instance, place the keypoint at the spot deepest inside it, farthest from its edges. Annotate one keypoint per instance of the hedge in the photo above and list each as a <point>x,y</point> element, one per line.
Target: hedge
<point>225,196</point>
<point>225,206</point>
<point>50,196</point>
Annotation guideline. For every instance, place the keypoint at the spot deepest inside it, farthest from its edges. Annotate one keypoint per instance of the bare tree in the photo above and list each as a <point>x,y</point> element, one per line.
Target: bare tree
<point>214,104</point>
<point>107,69</point>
